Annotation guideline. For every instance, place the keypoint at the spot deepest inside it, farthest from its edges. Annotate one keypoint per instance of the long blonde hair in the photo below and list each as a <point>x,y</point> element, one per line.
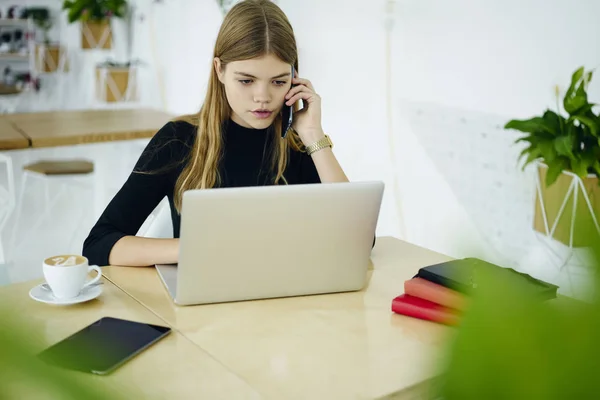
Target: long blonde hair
<point>252,28</point>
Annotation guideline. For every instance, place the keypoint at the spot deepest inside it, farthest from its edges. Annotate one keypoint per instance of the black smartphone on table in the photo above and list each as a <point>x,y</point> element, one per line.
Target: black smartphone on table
<point>287,114</point>
<point>104,345</point>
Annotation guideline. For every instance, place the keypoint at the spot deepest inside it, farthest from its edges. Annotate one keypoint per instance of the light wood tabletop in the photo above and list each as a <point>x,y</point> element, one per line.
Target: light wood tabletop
<point>10,137</point>
<point>61,128</point>
<point>173,368</point>
<point>347,345</point>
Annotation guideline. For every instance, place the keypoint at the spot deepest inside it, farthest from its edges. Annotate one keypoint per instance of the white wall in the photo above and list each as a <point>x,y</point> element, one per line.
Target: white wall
<point>463,68</point>
<point>501,56</point>
<point>342,52</point>
<point>460,70</point>
<point>185,32</point>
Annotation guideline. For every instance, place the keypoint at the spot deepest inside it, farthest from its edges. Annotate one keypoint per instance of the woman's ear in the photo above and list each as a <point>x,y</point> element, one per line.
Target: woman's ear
<point>219,69</point>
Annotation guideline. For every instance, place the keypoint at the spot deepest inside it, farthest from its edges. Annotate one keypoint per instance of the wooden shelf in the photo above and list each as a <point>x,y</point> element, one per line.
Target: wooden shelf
<point>14,56</point>
<point>13,22</point>
<point>9,90</point>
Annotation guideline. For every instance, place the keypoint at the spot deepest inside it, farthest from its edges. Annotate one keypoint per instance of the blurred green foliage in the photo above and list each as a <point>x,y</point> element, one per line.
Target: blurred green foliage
<point>511,346</point>
<point>24,376</point>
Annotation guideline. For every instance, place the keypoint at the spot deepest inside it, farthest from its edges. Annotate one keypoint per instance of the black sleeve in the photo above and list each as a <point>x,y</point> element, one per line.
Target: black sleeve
<point>150,181</point>
<point>308,171</point>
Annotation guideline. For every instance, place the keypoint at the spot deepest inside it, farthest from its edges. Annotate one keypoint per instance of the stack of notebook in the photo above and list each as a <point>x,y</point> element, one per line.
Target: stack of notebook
<point>440,292</point>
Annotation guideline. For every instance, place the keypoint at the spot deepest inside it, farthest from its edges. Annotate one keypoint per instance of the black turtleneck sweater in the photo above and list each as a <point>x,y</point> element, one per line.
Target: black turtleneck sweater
<point>245,162</point>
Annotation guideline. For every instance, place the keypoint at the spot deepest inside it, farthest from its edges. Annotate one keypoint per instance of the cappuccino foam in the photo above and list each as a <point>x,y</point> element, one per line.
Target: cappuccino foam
<point>65,260</point>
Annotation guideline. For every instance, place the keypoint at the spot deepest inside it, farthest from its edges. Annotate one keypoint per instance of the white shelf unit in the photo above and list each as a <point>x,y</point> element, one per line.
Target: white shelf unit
<point>17,60</point>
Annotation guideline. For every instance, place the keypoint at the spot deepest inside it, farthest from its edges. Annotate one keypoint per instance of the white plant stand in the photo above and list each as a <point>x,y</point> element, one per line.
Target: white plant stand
<point>576,189</point>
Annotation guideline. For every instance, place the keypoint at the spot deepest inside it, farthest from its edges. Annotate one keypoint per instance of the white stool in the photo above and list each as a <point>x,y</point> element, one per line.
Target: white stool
<point>69,174</point>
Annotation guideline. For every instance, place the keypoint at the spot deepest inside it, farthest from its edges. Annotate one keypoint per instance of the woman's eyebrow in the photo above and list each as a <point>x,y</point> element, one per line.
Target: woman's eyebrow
<point>285,74</point>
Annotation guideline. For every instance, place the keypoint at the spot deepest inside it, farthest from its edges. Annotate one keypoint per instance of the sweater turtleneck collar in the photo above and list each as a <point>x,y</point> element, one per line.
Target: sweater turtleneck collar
<point>236,129</point>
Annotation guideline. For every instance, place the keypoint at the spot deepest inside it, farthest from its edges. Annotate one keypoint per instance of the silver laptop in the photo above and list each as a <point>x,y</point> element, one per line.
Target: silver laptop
<point>273,241</point>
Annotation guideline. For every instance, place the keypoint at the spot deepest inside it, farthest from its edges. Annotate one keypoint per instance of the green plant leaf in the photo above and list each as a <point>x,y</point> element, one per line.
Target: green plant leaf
<point>533,154</point>
<point>529,139</point>
<point>555,169</point>
<point>585,110</point>
<point>564,145</point>
<point>577,75</point>
<point>573,104</point>
<point>582,92</point>
<point>548,150</point>
<point>591,123</point>
<point>524,152</point>
<point>95,9</point>
<point>579,167</point>
<point>575,78</point>
<point>596,168</point>
<point>75,10</point>
<point>575,132</point>
<point>531,125</point>
<point>576,96</point>
<point>555,121</point>
<point>589,159</point>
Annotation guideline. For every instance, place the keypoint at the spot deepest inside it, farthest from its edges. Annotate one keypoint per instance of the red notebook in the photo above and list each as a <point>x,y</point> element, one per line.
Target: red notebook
<point>424,309</point>
<point>427,290</point>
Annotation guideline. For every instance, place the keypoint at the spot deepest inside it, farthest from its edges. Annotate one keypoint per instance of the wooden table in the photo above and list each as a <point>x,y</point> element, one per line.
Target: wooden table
<point>338,346</point>
<point>10,137</point>
<point>61,128</point>
<point>347,345</point>
<point>173,368</point>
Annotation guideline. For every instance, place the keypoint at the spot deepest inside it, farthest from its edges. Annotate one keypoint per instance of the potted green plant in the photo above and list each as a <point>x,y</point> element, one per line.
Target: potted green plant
<point>566,150</point>
<point>41,18</point>
<point>95,17</point>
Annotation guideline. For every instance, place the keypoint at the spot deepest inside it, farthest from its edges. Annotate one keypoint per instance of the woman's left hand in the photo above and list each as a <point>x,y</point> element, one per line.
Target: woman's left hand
<point>307,121</point>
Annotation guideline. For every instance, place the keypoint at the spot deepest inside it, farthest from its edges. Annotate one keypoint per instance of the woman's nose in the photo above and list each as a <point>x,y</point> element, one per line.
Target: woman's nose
<point>262,94</point>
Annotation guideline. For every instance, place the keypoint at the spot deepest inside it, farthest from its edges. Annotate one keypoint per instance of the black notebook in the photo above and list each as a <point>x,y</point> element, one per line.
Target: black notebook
<point>461,275</point>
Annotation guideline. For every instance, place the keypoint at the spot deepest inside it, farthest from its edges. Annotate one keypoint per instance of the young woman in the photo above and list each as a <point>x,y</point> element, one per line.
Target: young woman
<point>235,139</point>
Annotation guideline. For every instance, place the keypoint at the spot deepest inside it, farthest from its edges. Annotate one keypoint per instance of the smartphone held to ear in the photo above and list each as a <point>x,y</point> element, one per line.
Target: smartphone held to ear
<point>287,113</point>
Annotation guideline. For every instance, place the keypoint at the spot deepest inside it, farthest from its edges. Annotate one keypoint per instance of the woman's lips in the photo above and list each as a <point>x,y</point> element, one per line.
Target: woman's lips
<point>262,114</point>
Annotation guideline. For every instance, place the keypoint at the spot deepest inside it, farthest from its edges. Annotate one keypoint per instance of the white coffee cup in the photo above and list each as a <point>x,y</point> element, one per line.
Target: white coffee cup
<point>66,275</point>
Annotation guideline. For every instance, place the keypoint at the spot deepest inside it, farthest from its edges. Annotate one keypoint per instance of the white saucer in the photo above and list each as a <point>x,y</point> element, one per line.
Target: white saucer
<point>46,296</point>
